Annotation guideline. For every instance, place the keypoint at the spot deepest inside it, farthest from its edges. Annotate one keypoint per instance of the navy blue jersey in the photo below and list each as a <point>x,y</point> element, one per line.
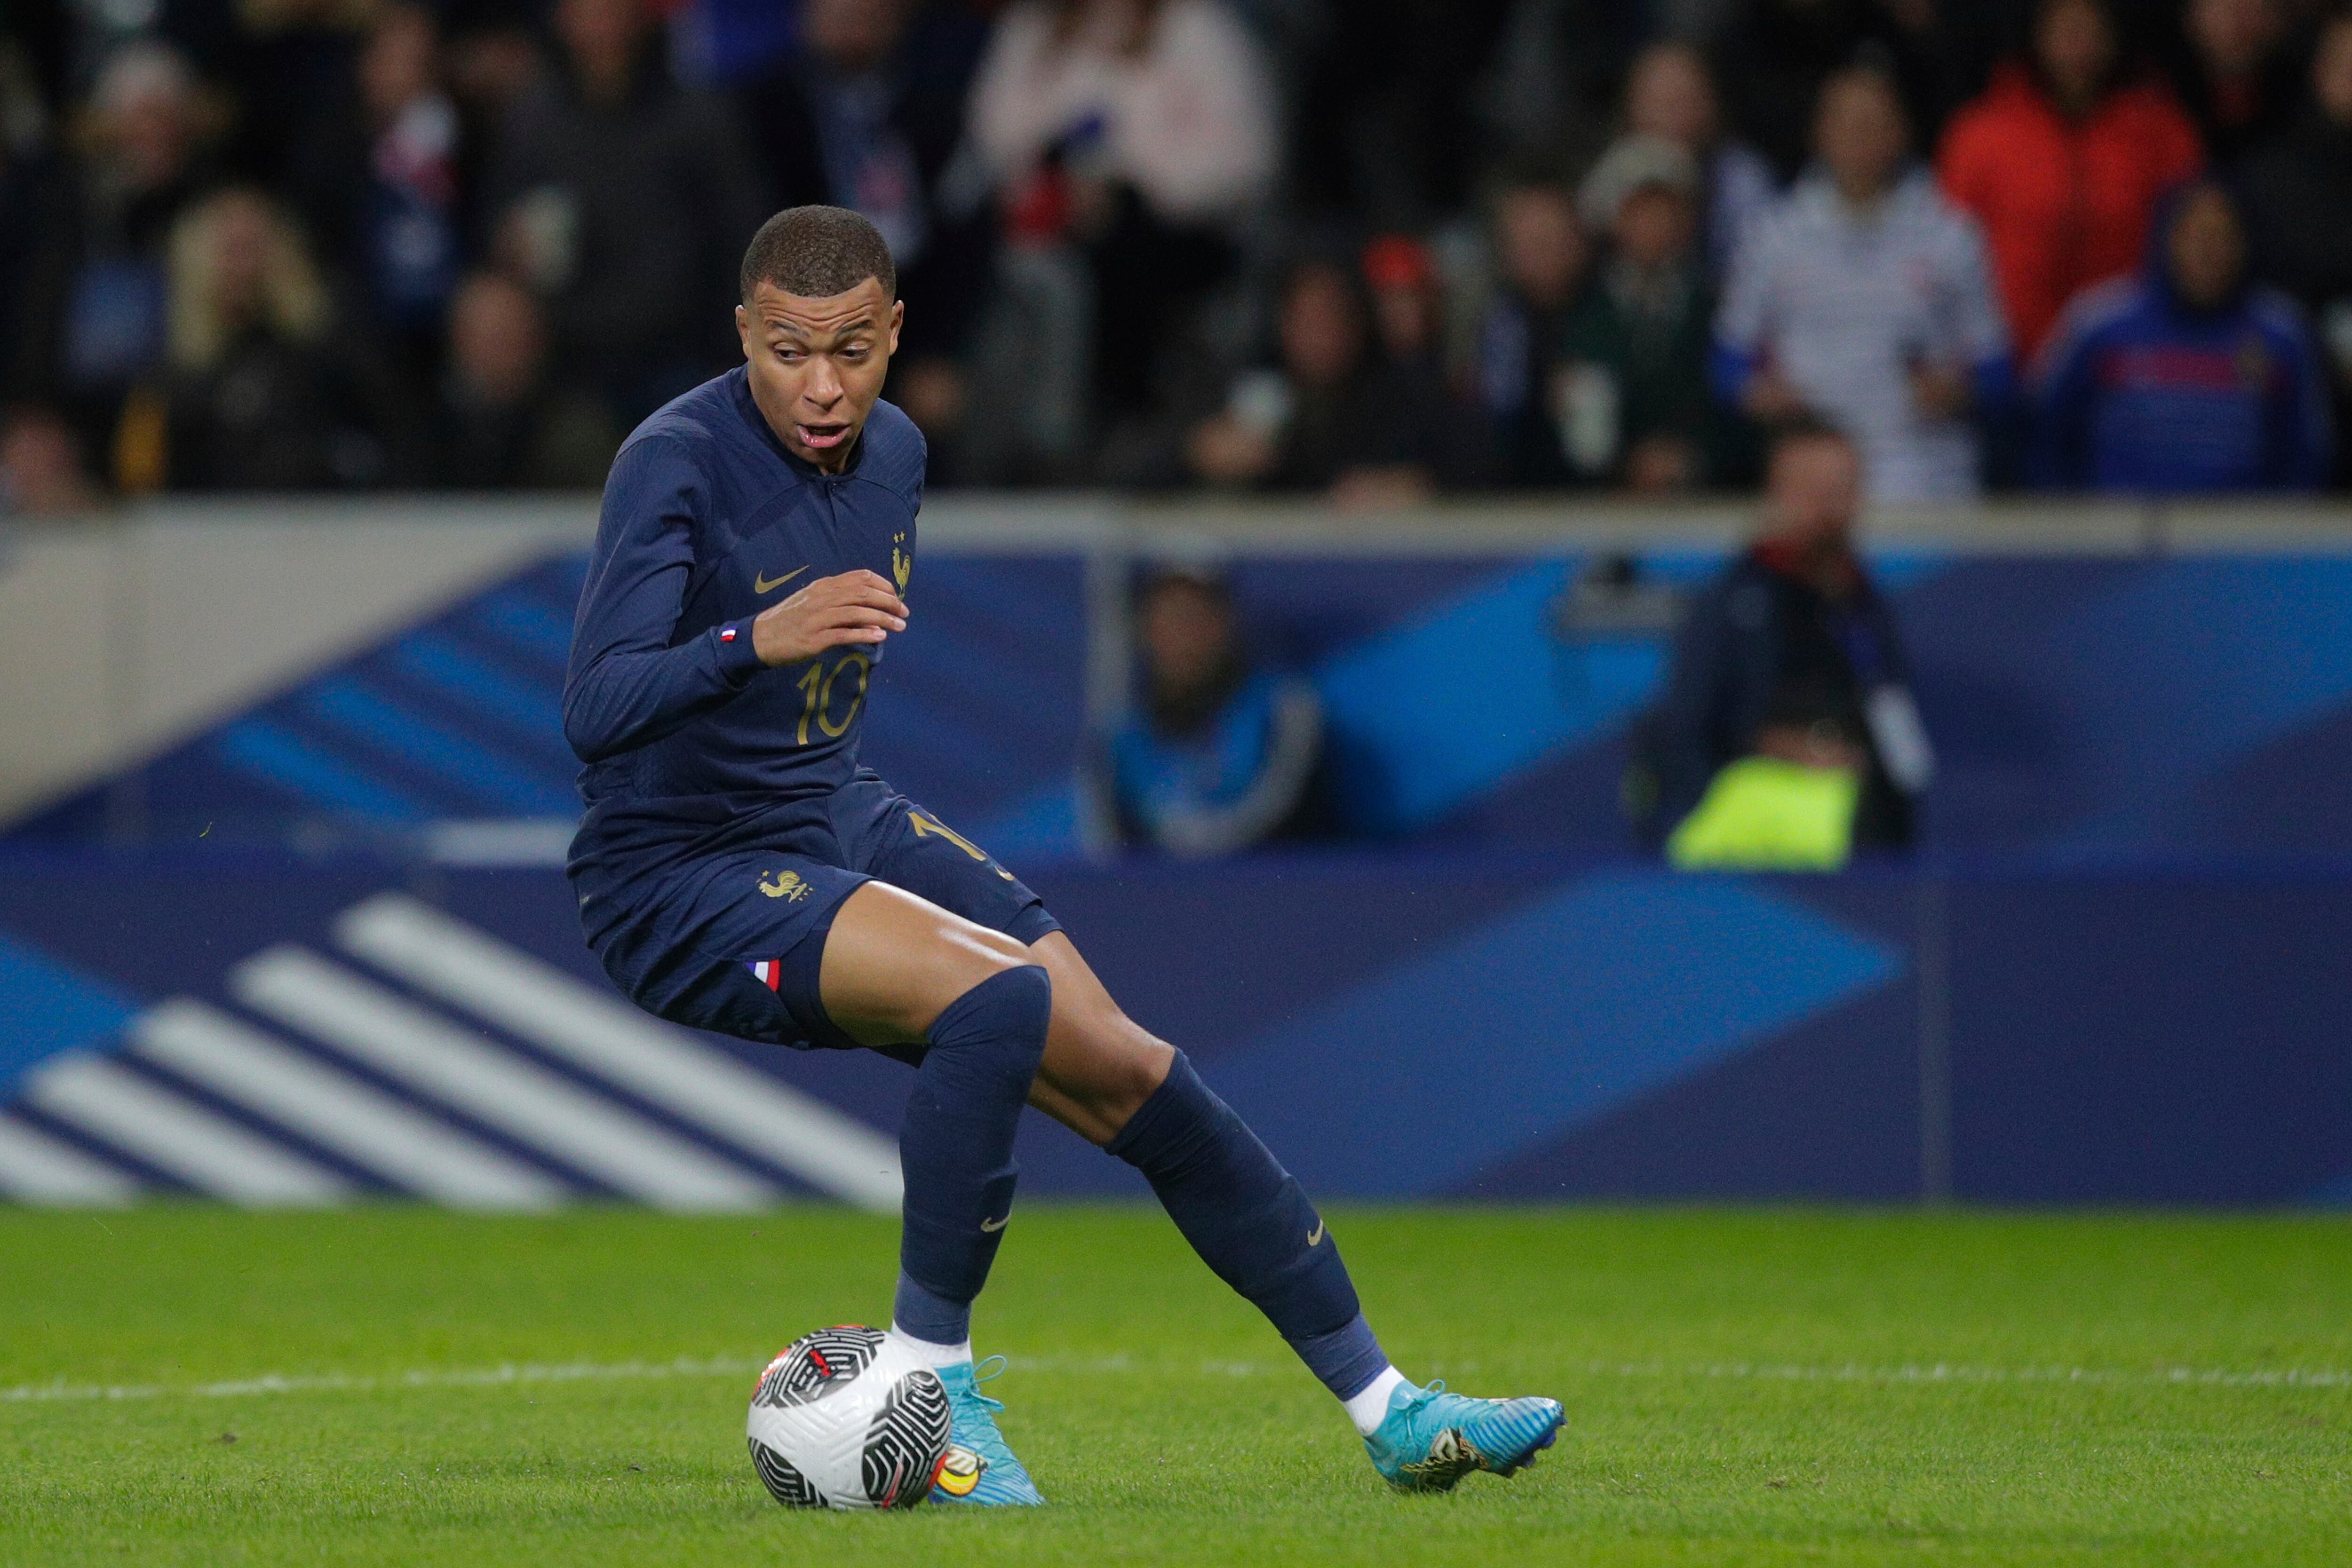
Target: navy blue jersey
<point>692,744</point>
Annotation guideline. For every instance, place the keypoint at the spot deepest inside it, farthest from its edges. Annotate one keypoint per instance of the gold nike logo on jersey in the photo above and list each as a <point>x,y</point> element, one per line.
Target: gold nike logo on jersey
<point>993,1225</point>
<point>1315,1237</point>
<point>769,584</point>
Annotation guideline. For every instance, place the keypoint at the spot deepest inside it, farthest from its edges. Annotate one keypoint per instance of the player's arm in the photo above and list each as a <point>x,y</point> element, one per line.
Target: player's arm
<point>628,685</point>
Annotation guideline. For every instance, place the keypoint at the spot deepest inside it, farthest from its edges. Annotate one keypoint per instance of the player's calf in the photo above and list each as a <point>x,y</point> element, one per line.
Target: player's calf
<point>955,1148</point>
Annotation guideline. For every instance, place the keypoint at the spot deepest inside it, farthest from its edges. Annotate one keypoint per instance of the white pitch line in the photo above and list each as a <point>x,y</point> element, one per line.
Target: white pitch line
<point>540,1003</point>
<point>337,1111</point>
<point>1934,1373</point>
<point>37,1169</point>
<point>210,1152</point>
<point>394,1035</point>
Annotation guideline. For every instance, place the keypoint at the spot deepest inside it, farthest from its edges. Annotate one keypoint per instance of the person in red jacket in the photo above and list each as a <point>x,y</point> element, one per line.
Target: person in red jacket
<point>2062,162</point>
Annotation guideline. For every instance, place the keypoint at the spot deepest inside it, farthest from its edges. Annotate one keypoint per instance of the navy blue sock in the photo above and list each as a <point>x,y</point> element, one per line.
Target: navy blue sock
<point>956,1147</point>
<point>1247,1218</point>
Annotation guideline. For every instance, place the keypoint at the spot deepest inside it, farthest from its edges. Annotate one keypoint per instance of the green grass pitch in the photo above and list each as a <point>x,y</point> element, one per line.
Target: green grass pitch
<point>1742,1387</point>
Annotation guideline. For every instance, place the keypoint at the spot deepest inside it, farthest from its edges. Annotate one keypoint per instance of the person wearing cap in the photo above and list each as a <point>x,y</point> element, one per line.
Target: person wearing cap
<point>1631,396</point>
<point>1215,757</point>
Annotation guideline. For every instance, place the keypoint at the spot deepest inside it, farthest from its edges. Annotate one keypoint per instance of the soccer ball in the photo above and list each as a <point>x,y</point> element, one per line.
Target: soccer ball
<point>845,1419</point>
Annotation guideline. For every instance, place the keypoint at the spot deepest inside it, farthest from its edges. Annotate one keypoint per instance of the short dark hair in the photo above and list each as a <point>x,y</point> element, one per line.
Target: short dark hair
<point>818,252</point>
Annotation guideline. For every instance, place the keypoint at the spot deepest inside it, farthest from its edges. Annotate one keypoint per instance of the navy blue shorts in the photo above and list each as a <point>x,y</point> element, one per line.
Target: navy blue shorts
<point>733,942</point>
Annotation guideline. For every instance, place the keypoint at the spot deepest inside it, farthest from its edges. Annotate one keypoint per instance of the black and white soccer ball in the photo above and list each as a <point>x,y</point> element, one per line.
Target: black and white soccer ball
<point>846,1418</point>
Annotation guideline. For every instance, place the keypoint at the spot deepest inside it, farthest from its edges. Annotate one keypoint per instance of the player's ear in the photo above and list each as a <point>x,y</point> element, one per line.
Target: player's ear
<point>898,321</point>
<point>744,330</point>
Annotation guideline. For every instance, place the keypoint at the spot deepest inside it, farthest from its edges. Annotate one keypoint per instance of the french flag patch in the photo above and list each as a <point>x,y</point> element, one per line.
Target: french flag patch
<point>769,973</point>
<point>726,633</point>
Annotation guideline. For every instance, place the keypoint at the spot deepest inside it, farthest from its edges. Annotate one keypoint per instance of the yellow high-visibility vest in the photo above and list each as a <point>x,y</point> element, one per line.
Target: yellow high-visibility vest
<point>1764,814</point>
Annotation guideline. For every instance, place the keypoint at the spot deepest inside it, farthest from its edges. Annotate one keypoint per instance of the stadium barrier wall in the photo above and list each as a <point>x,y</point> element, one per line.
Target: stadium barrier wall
<point>285,928</point>
<point>1412,1024</point>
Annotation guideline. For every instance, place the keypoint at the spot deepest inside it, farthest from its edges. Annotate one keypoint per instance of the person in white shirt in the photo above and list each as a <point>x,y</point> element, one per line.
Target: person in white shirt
<point>1863,299</point>
<point>1171,97</point>
<point>1128,141</point>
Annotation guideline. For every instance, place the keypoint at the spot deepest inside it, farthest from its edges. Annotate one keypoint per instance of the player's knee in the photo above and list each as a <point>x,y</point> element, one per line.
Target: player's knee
<point>1002,1018</point>
<point>1019,995</point>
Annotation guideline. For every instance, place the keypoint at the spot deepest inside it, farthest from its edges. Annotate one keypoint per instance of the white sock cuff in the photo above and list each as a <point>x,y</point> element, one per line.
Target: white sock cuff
<point>932,1354</point>
<point>1371,1408</point>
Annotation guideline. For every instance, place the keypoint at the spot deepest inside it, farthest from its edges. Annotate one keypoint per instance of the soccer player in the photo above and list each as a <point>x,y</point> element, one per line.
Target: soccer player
<point>738,871</point>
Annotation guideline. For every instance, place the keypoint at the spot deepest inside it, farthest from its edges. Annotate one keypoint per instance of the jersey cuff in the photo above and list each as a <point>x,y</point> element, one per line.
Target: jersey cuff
<point>739,661</point>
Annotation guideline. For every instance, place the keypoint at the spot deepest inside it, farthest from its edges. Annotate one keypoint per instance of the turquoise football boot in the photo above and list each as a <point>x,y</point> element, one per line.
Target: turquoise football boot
<point>1431,1438</point>
<point>984,1473</point>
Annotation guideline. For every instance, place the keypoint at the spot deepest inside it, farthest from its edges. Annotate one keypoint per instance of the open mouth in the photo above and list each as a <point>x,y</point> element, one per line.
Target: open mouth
<point>823,437</point>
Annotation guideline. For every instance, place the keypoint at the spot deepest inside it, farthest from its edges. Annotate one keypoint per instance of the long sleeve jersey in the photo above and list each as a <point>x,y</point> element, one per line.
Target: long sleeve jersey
<point>689,741</point>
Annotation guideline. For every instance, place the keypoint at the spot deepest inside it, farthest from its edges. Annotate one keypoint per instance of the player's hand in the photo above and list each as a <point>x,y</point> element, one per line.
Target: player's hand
<point>832,612</point>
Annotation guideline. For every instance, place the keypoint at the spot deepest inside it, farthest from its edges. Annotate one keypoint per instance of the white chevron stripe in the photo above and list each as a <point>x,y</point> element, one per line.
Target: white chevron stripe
<point>208,1151</point>
<point>336,1111</point>
<point>541,1003</point>
<point>401,1039</point>
<point>37,1169</point>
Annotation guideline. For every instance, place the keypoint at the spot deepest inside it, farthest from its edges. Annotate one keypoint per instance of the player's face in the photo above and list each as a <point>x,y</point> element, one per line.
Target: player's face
<point>817,365</point>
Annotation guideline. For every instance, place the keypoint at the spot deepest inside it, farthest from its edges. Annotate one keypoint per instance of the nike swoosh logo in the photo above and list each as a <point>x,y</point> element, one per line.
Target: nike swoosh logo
<point>1315,1237</point>
<point>769,584</point>
<point>993,1225</point>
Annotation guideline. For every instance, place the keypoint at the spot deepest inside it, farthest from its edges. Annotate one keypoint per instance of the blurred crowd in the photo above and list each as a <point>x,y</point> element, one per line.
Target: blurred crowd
<point>1368,249</point>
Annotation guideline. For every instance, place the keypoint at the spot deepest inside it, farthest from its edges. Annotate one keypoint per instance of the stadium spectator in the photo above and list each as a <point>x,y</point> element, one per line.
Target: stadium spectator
<point>869,114</point>
<point>1670,93</point>
<point>625,202</point>
<point>1408,302</point>
<point>2063,161</point>
<point>409,238</point>
<point>1792,655</point>
<point>41,473</point>
<point>265,392</point>
<point>1141,133</point>
<point>1216,756</point>
<point>503,422</point>
<point>1635,407</point>
<point>95,310</point>
<point>2189,378</point>
<point>1331,416</point>
<point>2239,74</point>
<point>1541,257</point>
<point>1776,56</point>
<point>2298,197</point>
<point>1558,68</point>
<point>1862,297</point>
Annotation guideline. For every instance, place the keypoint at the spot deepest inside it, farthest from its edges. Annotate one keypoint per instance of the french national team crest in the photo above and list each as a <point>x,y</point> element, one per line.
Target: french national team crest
<point>788,885</point>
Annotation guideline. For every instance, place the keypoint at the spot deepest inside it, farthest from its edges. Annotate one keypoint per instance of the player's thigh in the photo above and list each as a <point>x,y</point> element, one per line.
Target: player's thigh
<point>731,944</point>
<point>1101,1065</point>
<point>893,840</point>
<point>893,962</point>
